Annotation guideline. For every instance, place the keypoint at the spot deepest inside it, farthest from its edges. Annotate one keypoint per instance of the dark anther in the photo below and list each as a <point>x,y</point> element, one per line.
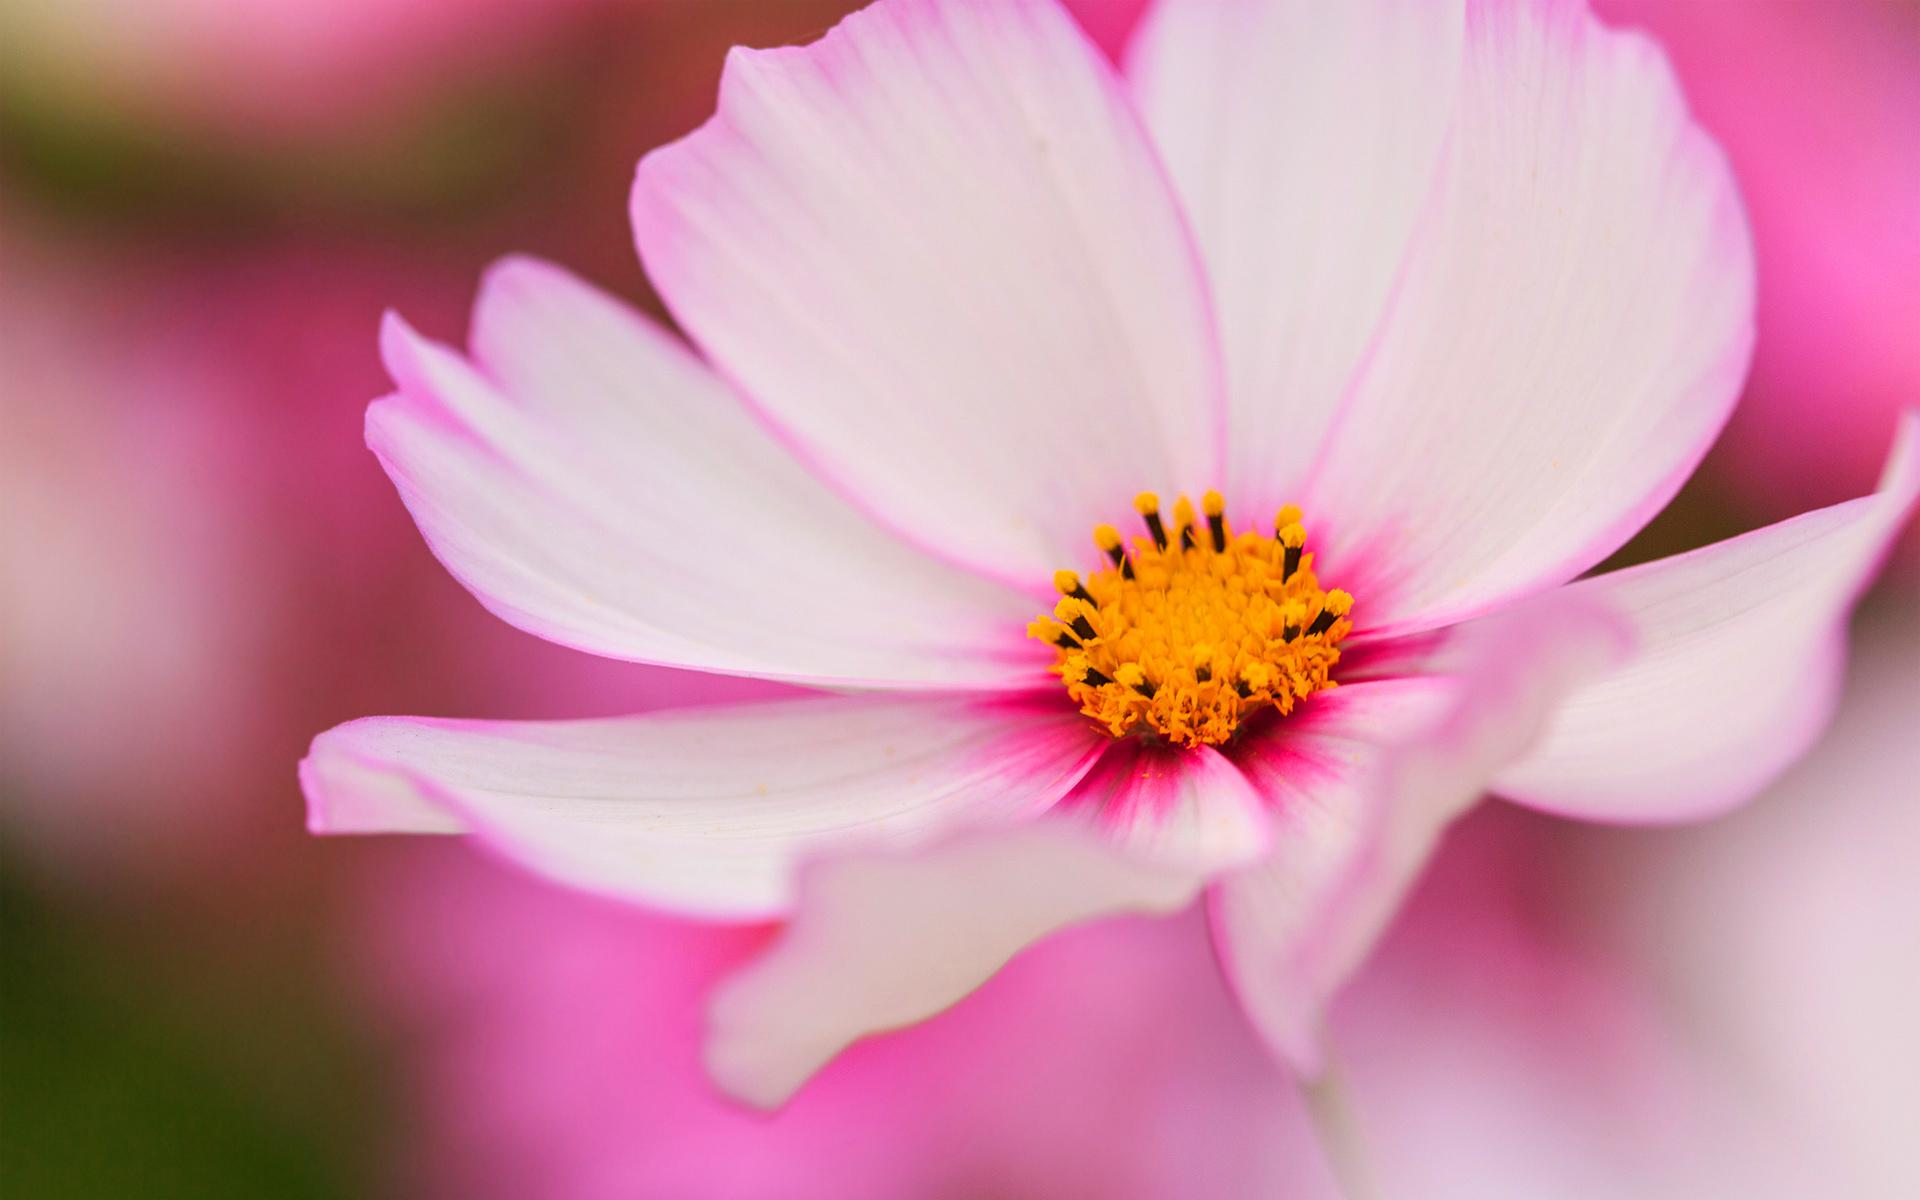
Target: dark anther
<point>1186,537</point>
<point>1202,673</point>
<point>1117,553</point>
<point>1096,678</point>
<point>1217,524</point>
<point>1289,563</point>
<point>1323,622</point>
<point>1156,528</point>
<point>1083,627</point>
<point>1070,585</point>
<point>1242,690</point>
<point>1290,634</point>
<point>1063,638</point>
<point>1145,688</point>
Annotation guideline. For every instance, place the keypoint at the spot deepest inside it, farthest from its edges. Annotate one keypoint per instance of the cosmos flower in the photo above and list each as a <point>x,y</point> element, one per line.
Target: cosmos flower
<point>1548,983</point>
<point>1378,323</point>
<point>258,71</point>
<point>556,1037</point>
<point>1818,108</point>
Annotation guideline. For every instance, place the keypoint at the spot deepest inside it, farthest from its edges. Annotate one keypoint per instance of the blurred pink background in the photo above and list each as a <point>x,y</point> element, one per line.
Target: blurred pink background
<point>204,208</point>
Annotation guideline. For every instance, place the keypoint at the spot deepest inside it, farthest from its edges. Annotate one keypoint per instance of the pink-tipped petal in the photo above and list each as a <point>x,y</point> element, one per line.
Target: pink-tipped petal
<point>704,811</point>
<point>1303,137</point>
<point>883,942</point>
<point>937,251</point>
<point>1737,666</point>
<point>1570,332</point>
<point>592,482</point>
<point>1176,808</point>
<point>1361,791</point>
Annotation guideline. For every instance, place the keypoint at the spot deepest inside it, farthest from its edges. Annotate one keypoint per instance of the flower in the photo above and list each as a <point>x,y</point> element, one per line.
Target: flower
<point>1826,93</point>
<point>259,71</point>
<point>555,1037</point>
<point>1614,1015</point>
<point>1792,924</point>
<point>1547,979</point>
<point>1435,304</point>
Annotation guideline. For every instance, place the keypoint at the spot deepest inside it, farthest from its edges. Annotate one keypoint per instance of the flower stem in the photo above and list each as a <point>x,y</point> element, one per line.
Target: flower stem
<point>1339,1134</point>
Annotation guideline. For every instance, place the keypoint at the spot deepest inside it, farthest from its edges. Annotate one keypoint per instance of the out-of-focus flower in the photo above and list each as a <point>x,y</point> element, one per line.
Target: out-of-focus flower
<point>1818,106</point>
<point>1719,1012</point>
<point>203,112</point>
<point>554,1045</point>
<point>242,70</point>
<point>939,256</point>
<point>188,530</point>
<point>123,632</point>
<point>1788,938</point>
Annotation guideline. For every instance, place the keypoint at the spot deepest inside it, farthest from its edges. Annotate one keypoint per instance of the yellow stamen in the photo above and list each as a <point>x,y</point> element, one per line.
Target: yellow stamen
<point>1183,522</point>
<point>1185,639</point>
<point>1216,506</point>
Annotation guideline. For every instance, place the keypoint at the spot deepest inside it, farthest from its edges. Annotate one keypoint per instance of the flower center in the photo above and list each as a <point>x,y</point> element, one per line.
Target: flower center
<point>1190,632</point>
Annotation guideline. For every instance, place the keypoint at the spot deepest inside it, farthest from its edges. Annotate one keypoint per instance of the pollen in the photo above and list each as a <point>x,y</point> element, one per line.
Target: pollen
<point>1191,630</point>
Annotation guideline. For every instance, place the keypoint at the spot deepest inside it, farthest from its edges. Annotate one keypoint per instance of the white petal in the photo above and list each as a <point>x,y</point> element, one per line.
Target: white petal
<point>707,810</point>
<point>592,482</point>
<point>937,250</point>
<point>1570,333</point>
<point>1361,790</point>
<point>882,942</point>
<point>1736,669</point>
<point>1303,137</point>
